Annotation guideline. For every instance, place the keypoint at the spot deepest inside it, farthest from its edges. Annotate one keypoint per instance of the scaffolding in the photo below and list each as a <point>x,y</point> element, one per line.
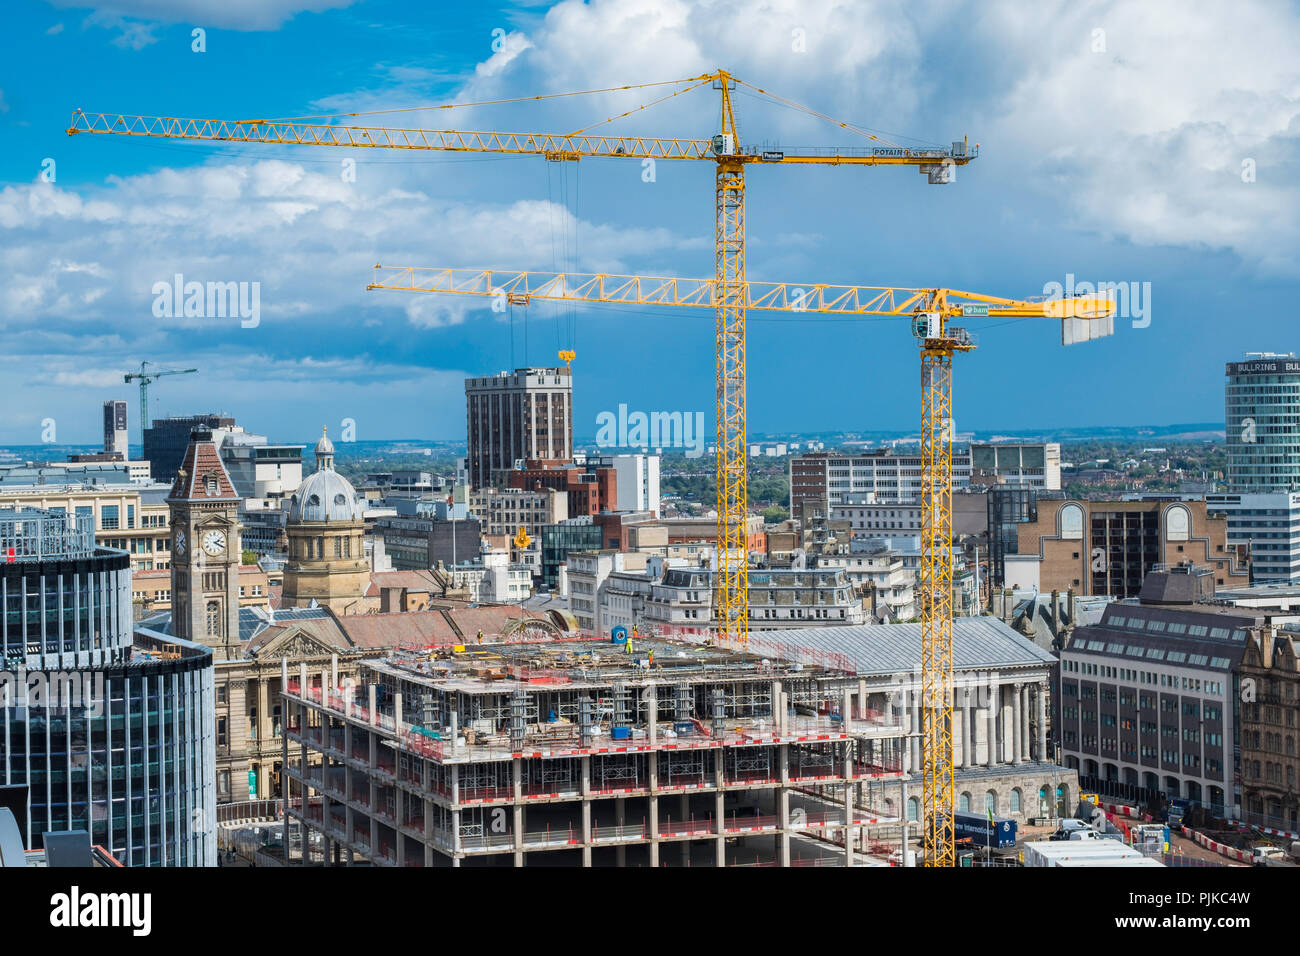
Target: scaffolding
<point>520,748</point>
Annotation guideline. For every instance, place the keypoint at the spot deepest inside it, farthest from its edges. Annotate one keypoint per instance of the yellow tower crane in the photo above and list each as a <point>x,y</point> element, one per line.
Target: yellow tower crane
<point>929,311</point>
<point>724,149</point>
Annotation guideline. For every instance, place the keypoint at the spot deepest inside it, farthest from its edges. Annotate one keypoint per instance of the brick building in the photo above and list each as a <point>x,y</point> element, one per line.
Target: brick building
<point>1108,547</point>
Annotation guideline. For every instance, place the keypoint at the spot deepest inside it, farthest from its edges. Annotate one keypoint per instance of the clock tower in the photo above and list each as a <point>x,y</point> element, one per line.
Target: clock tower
<point>206,551</point>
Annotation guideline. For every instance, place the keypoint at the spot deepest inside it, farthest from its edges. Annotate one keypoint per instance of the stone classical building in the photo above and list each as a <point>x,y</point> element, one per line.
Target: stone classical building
<point>1270,702</point>
<point>1002,736</point>
<point>326,532</point>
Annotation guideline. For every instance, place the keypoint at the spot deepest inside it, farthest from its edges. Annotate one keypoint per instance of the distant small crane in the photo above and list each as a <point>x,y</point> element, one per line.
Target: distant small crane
<point>145,377</point>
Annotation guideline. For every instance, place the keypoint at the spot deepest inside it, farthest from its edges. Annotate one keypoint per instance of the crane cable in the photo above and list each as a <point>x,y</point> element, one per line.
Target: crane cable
<point>513,99</point>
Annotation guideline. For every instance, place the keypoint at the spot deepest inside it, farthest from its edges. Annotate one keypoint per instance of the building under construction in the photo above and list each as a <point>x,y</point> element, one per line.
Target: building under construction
<point>659,752</point>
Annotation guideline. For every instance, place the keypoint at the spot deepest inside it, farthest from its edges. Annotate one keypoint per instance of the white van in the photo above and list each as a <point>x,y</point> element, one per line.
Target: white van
<point>1262,855</point>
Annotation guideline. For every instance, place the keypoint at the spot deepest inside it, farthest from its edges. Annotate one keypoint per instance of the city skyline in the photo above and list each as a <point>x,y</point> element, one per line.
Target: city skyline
<point>1187,189</point>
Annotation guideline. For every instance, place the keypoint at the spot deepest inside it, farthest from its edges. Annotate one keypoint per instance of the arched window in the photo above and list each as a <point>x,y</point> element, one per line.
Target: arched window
<point>991,802</point>
<point>913,809</point>
<point>1015,800</point>
<point>214,619</point>
<point>963,804</point>
<point>1043,805</point>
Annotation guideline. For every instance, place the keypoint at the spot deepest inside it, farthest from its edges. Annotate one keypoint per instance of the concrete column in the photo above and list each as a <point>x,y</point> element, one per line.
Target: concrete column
<point>370,705</point>
<point>914,727</point>
<point>848,788</point>
<point>1025,747</point>
<point>263,715</point>
<point>1042,722</point>
<point>334,671</point>
<point>783,756</point>
<point>652,712</point>
<point>990,749</point>
<point>719,808</point>
<point>654,830</point>
<point>684,810</point>
<point>620,820</point>
<point>1017,713</point>
<point>517,772</point>
<point>586,811</point>
<point>967,732</point>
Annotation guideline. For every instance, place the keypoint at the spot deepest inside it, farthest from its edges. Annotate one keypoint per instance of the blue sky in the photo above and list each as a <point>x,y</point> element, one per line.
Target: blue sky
<point>1113,140</point>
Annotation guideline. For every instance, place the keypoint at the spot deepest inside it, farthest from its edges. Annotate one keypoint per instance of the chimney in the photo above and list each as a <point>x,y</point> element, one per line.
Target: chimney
<point>1056,613</point>
<point>1069,608</point>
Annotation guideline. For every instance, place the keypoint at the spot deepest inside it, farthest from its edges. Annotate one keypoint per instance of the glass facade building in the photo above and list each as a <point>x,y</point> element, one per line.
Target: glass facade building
<point>561,540</point>
<point>1262,419</point>
<point>109,730</point>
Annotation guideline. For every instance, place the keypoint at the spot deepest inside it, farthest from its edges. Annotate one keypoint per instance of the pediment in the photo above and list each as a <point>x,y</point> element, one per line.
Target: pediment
<point>295,644</point>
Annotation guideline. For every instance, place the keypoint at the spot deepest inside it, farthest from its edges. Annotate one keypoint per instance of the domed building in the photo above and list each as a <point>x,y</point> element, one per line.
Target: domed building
<point>326,532</point>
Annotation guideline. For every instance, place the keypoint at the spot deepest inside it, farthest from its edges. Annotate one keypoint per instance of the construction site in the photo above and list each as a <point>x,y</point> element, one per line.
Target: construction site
<point>592,753</point>
<point>742,704</point>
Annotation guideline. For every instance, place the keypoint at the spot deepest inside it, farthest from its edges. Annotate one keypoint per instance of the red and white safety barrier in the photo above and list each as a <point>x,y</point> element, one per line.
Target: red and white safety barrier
<point>1231,852</point>
<point>1279,833</point>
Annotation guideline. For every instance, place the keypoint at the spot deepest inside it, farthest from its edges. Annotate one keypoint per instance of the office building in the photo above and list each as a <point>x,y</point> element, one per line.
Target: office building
<point>1262,421</point>
<point>1149,707</point>
<point>503,512</point>
<point>258,468</point>
<point>1267,527</point>
<point>1109,547</point>
<point>167,439</point>
<point>1028,464</point>
<point>130,517</point>
<point>115,440</point>
<point>638,482</point>
<point>1008,507</point>
<point>823,479</point>
<point>429,534</point>
<point>110,729</point>
<point>561,540</point>
<point>514,416</point>
<point>869,517</point>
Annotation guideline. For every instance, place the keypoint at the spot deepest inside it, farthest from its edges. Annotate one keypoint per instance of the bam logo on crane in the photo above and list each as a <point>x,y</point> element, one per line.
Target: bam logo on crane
<point>213,300</point>
<point>655,430</point>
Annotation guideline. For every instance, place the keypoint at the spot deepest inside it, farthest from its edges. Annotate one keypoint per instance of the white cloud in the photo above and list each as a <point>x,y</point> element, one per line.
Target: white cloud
<point>1145,139</point>
<point>223,14</point>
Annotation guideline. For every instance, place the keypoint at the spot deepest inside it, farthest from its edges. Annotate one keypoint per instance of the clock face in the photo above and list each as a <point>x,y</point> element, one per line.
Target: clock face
<point>214,542</point>
<point>180,542</point>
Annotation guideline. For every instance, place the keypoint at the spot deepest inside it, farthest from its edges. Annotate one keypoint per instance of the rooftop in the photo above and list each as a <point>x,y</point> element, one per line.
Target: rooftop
<point>978,643</point>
